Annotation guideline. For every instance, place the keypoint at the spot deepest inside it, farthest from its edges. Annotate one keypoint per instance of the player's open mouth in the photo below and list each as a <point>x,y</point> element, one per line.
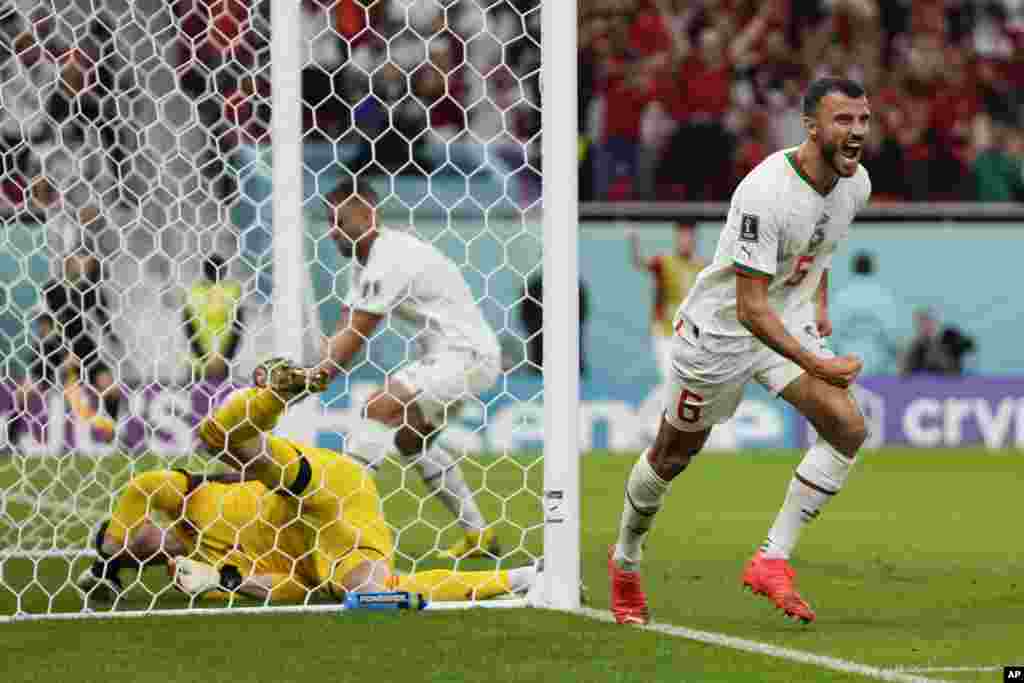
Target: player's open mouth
<point>850,150</point>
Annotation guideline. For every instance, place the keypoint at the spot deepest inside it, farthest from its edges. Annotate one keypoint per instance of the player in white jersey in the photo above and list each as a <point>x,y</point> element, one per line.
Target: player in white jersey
<point>760,311</point>
<point>454,354</point>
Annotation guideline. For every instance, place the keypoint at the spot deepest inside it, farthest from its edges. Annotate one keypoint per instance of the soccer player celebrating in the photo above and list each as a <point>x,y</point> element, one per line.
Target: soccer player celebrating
<point>397,278</point>
<point>294,519</point>
<point>674,275</point>
<point>760,311</point>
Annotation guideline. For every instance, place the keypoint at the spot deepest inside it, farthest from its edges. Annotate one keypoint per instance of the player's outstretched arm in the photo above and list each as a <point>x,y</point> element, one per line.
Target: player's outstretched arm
<point>756,314</point>
<point>353,331</point>
<point>639,262</point>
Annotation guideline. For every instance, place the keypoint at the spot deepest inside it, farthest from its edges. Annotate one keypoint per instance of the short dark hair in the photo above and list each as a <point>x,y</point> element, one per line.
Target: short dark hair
<point>863,263</point>
<point>348,186</point>
<point>820,87</point>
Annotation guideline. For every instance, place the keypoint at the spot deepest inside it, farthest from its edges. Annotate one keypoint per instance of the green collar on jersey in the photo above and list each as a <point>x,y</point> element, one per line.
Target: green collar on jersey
<point>791,157</point>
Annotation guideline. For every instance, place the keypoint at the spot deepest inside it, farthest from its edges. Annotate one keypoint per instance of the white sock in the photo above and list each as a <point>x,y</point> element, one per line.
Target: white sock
<point>644,493</point>
<point>521,579</point>
<point>442,475</point>
<point>826,469</point>
<point>802,505</point>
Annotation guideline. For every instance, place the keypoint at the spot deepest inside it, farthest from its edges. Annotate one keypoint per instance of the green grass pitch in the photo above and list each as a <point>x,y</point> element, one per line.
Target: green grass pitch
<point>917,563</point>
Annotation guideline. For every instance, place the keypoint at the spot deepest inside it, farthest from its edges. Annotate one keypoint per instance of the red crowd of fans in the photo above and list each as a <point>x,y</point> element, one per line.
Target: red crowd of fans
<point>389,78</point>
<point>680,98</point>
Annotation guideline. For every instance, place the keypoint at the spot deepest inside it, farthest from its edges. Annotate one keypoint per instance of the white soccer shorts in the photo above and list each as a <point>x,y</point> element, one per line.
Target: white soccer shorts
<point>664,350</point>
<point>443,380</point>
<point>710,372</point>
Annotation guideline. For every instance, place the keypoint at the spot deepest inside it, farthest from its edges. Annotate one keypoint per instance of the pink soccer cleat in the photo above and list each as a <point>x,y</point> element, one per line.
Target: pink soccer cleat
<point>774,580</point>
<point>629,603</point>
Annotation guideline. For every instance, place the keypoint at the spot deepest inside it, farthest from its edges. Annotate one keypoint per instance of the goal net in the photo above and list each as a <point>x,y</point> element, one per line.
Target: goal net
<point>165,166</point>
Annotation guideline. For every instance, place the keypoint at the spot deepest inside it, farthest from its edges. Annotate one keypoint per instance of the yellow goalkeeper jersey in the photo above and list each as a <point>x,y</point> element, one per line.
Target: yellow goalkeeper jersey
<point>244,525</point>
<point>673,278</point>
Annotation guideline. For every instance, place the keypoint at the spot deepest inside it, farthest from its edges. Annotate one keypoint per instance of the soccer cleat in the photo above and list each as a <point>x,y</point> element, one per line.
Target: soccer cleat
<point>96,586</point>
<point>192,577</point>
<point>774,579</point>
<point>289,380</point>
<point>629,603</point>
<point>474,544</point>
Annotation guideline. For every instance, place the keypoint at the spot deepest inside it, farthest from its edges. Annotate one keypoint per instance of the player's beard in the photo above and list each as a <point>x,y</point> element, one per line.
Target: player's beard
<point>829,151</point>
<point>832,152</point>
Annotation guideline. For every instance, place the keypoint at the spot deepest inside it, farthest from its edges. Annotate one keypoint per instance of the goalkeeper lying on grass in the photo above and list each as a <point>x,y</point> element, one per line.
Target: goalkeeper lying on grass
<point>294,519</point>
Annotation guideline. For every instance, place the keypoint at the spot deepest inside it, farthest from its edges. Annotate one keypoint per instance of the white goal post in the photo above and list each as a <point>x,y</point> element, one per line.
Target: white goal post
<point>162,212</point>
<point>561,307</point>
<point>561,295</point>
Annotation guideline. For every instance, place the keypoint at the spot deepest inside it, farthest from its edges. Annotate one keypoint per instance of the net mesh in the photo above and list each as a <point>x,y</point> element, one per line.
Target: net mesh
<point>136,143</point>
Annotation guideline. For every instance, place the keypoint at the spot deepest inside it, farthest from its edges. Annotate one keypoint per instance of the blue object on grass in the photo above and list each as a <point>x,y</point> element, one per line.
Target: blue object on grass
<point>386,600</point>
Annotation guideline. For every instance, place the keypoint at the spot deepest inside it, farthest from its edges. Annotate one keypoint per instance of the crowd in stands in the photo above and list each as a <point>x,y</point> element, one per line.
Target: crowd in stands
<point>663,84</point>
<point>680,98</point>
<point>394,81</point>
<point>60,118</point>
<point>425,76</point>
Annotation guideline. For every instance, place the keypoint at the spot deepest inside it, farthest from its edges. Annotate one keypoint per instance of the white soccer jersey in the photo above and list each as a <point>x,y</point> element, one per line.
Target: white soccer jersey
<point>409,280</point>
<point>778,226</point>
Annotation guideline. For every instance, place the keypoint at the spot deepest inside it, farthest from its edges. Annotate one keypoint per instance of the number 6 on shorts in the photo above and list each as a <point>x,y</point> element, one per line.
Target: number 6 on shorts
<point>689,411</point>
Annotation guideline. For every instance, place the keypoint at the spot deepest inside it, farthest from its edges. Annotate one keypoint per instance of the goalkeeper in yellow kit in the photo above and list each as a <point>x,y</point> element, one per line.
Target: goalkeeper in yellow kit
<point>292,519</point>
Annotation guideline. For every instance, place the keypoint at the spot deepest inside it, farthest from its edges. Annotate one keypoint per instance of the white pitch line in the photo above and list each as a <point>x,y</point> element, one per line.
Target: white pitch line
<point>945,669</point>
<point>799,656</point>
<point>266,610</point>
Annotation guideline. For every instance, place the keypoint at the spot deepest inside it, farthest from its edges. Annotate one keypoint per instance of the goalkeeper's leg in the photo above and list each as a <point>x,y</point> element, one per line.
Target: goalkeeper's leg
<point>444,585</point>
<point>439,585</point>
<point>238,431</point>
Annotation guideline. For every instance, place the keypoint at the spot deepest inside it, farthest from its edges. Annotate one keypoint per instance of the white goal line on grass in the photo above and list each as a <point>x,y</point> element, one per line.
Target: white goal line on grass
<point>902,674</point>
<point>945,669</point>
<point>269,610</point>
<point>769,650</point>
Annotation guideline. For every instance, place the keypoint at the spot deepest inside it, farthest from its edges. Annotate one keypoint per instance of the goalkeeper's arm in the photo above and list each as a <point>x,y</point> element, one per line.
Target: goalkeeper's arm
<point>198,578</point>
